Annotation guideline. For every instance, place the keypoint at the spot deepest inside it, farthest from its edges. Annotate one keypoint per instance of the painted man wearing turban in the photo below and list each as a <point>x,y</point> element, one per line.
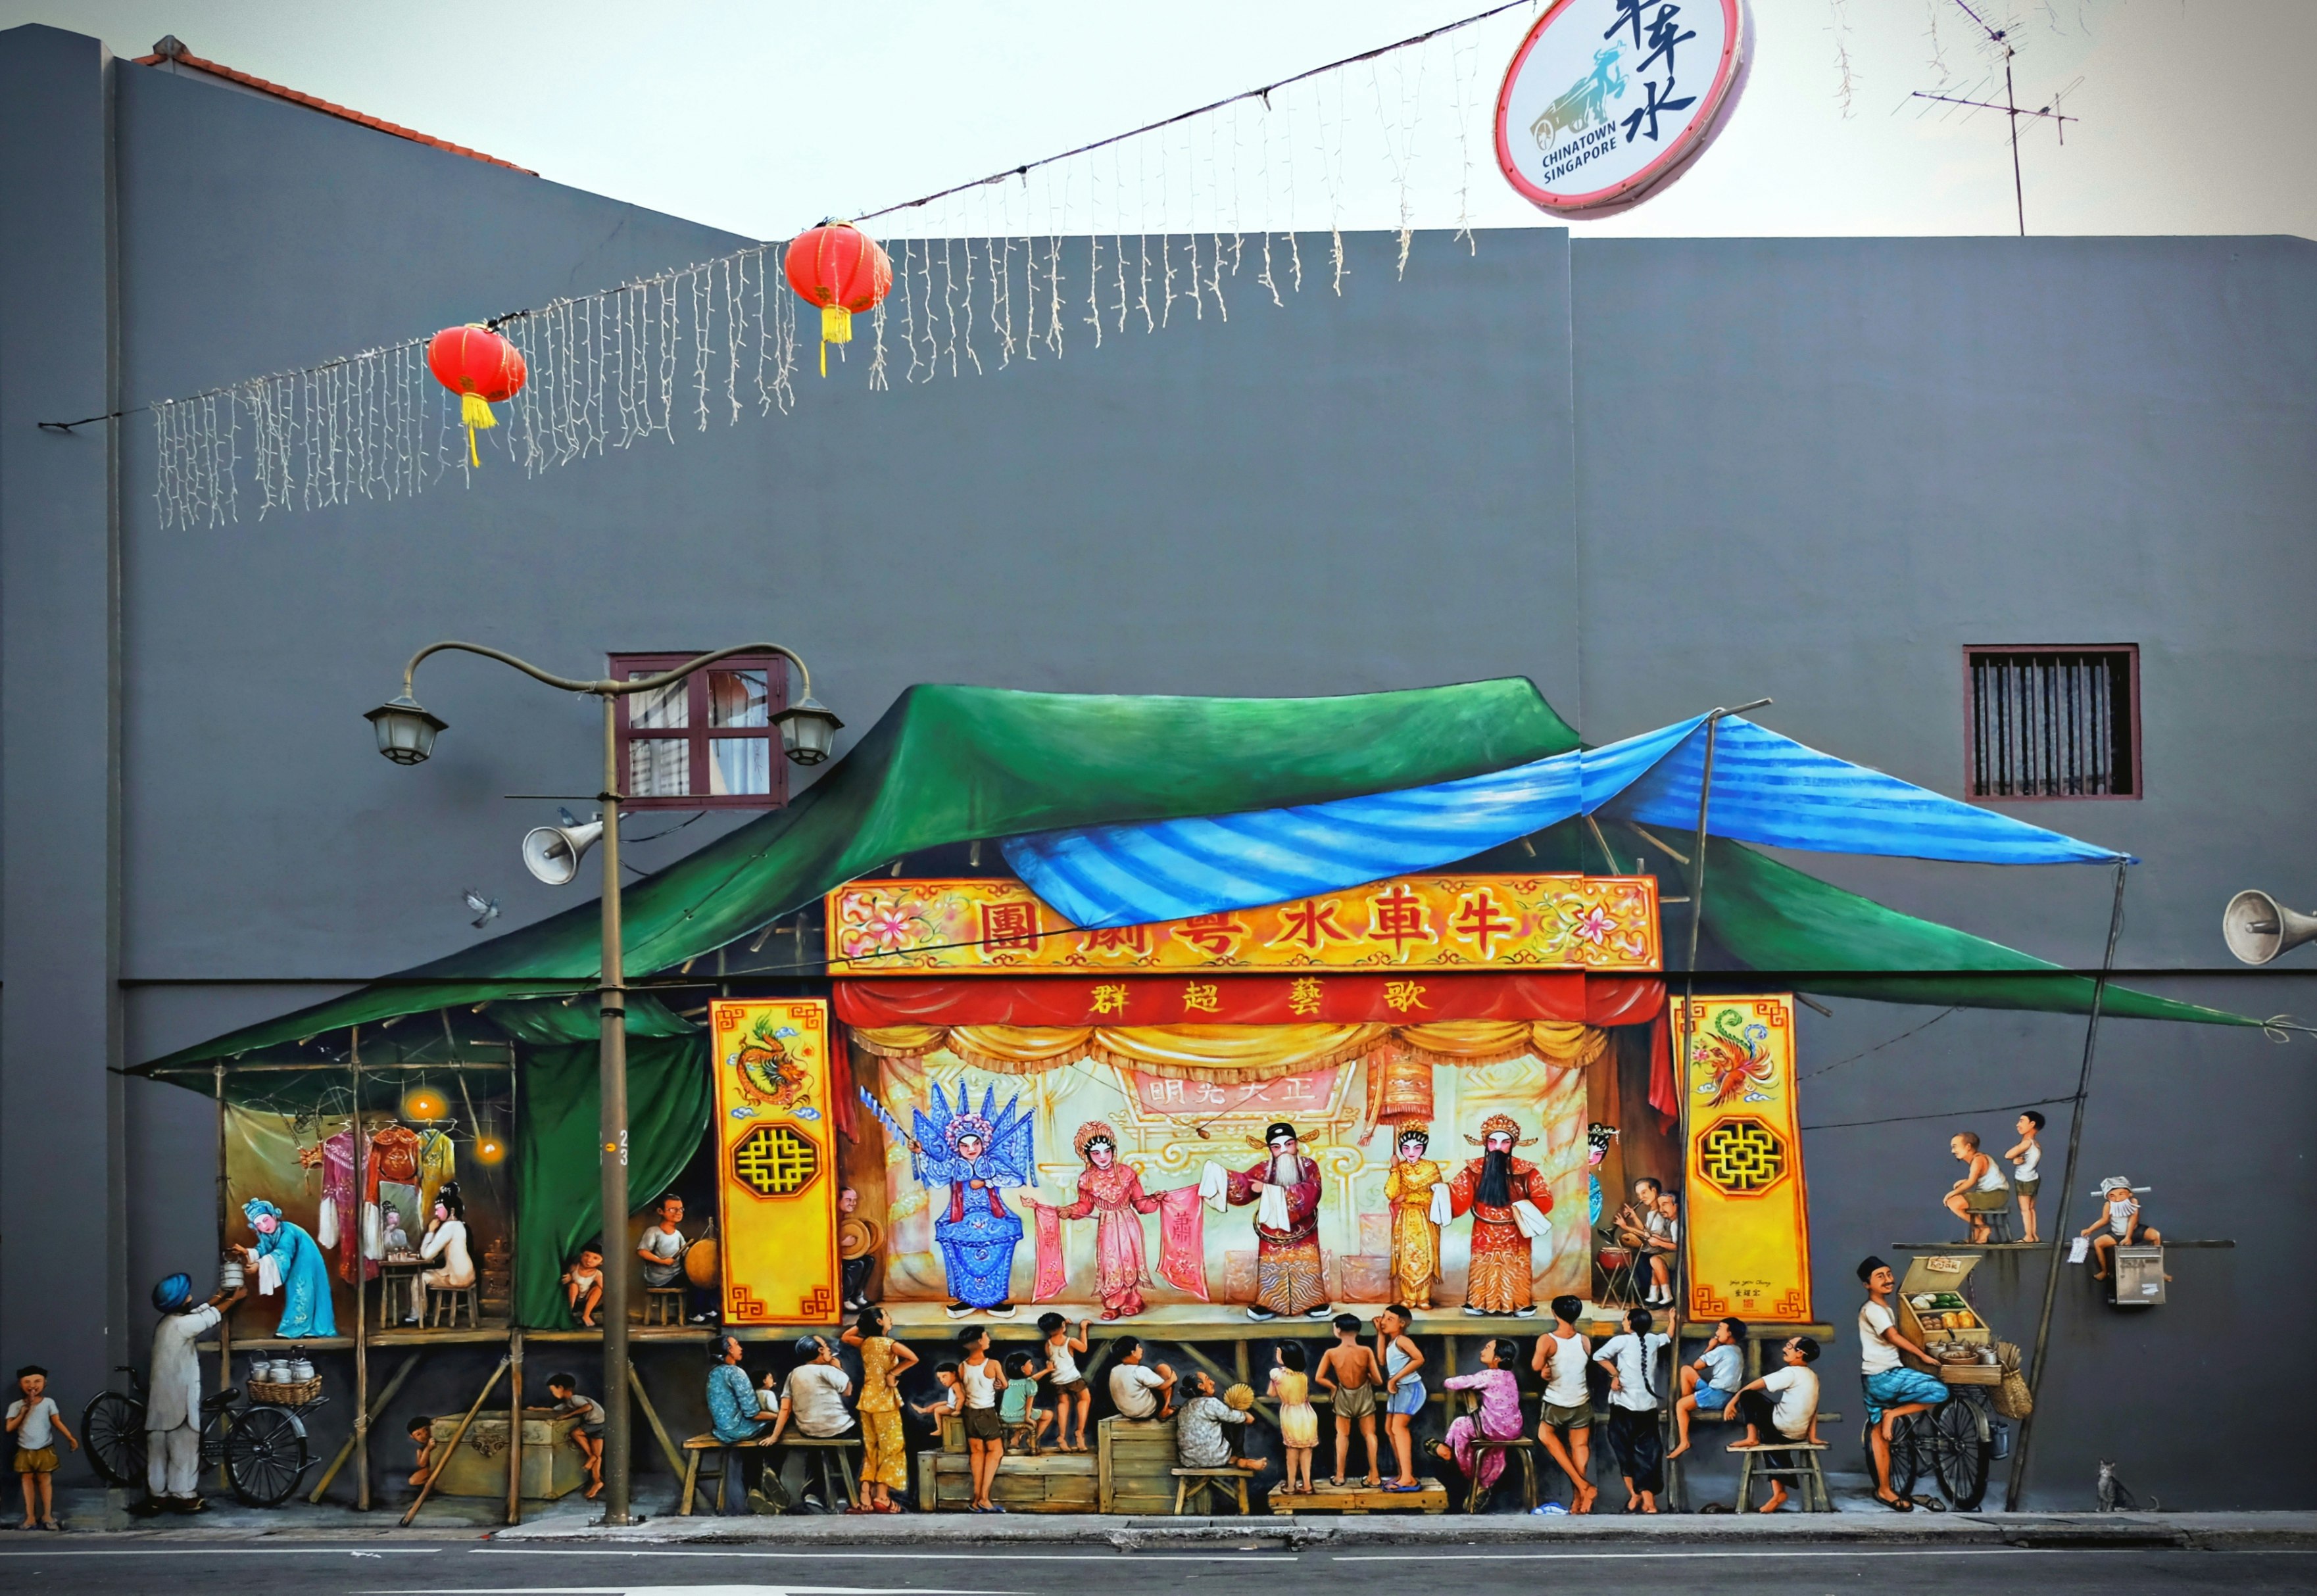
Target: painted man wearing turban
<point>1507,1198</point>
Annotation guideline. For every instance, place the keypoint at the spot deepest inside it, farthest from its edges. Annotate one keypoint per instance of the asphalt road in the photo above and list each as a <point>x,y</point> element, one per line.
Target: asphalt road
<point>471,1569</point>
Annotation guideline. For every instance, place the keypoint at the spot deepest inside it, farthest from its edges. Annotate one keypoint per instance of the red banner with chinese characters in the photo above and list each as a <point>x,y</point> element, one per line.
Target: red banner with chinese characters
<point>991,926</point>
<point>1336,997</point>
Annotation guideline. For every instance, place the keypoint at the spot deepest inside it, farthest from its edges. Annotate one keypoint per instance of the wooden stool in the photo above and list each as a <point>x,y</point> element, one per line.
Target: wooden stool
<point>838,1476</point>
<point>1801,1466</point>
<point>700,1446</point>
<point>1523,1447</point>
<point>1194,1483</point>
<point>1027,1434</point>
<point>663,1304</point>
<point>444,1302</point>
<point>1994,1210</point>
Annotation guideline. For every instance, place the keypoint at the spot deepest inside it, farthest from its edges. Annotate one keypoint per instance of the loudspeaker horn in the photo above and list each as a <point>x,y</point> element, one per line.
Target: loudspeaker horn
<point>552,853</point>
<point>2257,928</point>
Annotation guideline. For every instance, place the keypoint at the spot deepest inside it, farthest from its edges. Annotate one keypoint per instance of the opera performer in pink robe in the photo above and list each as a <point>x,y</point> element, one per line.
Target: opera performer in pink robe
<point>1112,1193</point>
<point>1291,1276</point>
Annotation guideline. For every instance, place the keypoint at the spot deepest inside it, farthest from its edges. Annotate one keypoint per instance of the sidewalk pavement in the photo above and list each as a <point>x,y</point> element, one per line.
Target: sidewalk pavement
<point>91,1515</point>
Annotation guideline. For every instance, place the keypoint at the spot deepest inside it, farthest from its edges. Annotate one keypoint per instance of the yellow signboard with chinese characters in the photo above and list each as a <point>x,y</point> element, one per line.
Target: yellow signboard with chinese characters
<point>1748,1219</point>
<point>776,1169</point>
<point>985,926</point>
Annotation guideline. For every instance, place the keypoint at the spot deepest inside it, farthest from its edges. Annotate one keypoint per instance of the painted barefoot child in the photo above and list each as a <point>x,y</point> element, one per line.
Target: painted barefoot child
<point>1298,1421</point>
<point>1403,1389</point>
<point>588,1434</point>
<point>1348,1371</point>
<point>35,1423</point>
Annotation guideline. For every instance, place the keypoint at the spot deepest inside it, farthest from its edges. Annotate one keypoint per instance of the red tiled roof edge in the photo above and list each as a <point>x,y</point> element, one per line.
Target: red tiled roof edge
<point>219,70</point>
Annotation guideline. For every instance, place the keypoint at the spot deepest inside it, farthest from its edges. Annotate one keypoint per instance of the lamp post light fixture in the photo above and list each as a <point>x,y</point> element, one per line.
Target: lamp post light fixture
<point>405,734</point>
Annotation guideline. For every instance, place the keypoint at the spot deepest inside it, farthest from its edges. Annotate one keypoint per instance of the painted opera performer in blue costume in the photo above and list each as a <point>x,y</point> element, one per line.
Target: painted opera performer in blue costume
<point>284,1251</point>
<point>976,1156</point>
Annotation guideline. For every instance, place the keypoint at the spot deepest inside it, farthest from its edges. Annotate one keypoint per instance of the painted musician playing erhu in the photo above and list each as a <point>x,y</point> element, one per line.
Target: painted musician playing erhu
<point>1508,1198</point>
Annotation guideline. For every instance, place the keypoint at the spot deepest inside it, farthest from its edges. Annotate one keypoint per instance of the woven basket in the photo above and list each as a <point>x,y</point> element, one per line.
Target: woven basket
<point>288,1393</point>
<point>2012,1399</point>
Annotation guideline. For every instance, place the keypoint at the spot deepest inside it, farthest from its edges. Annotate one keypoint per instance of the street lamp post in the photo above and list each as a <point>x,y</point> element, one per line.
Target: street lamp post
<point>405,734</point>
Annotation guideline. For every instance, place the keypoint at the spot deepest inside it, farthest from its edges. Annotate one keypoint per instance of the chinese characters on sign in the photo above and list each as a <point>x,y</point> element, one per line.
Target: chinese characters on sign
<point>776,1160</point>
<point>1749,1227</point>
<point>1606,923</point>
<point>1608,100</point>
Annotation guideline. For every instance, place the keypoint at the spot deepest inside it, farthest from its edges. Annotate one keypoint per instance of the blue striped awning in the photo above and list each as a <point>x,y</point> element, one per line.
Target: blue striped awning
<point>1767,789</point>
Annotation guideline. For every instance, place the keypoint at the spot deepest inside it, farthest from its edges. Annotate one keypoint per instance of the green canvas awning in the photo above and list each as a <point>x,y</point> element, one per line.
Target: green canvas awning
<point>951,764</point>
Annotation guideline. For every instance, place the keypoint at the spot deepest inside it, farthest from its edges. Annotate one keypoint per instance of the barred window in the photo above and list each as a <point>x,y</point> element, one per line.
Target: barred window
<point>2054,722</point>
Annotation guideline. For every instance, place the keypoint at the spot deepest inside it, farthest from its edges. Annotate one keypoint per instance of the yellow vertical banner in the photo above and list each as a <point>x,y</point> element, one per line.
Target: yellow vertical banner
<point>1748,1207</point>
<point>777,1171</point>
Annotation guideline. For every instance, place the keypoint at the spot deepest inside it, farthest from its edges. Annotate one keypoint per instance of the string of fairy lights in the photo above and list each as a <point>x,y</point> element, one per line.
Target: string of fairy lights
<point>1212,213</point>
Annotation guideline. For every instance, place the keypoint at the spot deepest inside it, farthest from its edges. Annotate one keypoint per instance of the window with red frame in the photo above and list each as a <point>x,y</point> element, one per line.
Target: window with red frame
<point>707,742</point>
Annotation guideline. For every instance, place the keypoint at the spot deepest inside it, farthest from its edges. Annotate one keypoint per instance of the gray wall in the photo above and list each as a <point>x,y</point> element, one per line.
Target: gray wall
<point>1651,476</point>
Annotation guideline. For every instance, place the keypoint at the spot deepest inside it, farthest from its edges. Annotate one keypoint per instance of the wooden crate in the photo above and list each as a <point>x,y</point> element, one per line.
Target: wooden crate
<point>1357,1498</point>
<point>1136,1464</point>
<point>1053,1482</point>
<point>550,1463</point>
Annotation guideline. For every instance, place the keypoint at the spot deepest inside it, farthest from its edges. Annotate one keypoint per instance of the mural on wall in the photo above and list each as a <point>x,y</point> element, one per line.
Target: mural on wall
<point>1129,1191</point>
<point>776,1161</point>
<point>1749,1206</point>
<point>306,1221</point>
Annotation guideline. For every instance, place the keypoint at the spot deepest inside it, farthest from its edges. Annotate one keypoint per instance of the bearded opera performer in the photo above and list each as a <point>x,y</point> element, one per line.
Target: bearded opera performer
<point>1290,1274</point>
<point>1507,1198</point>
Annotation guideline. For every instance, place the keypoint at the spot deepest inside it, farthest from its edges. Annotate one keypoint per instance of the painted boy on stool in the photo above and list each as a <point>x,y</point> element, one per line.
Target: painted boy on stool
<point>1290,1276</point>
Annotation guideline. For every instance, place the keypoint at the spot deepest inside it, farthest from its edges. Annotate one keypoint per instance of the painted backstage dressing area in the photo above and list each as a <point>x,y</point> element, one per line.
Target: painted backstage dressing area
<point>1377,1103</point>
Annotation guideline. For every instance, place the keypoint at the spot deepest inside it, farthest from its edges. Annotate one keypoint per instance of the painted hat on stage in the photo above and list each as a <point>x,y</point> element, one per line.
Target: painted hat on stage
<point>1091,1132</point>
<point>1503,1125</point>
<point>1278,1129</point>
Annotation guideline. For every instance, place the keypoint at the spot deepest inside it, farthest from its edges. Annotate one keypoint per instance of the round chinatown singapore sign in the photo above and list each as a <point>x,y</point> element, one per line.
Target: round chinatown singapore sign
<point>1608,101</point>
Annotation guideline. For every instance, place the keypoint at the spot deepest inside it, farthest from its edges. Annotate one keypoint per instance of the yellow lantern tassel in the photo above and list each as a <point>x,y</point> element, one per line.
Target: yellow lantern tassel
<point>476,412</point>
<point>836,328</point>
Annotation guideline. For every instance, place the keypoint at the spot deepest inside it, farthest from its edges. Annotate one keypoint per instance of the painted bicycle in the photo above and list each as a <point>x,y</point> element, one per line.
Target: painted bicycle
<point>262,1445</point>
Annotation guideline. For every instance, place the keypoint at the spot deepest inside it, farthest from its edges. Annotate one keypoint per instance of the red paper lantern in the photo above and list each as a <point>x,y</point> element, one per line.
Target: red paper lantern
<point>840,268</point>
<point>481,367</point>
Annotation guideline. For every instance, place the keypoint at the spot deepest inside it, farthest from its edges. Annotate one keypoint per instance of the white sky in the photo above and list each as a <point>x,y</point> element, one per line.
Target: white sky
<point>763,117</point>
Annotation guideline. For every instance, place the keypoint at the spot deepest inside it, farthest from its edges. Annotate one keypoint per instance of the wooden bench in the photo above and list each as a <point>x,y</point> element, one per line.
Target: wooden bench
<point>1430,1496</point>
<point>1523,1448</point>
<point>1192,1485</point>
<point>663,1304</point>
<point>836,1472</point>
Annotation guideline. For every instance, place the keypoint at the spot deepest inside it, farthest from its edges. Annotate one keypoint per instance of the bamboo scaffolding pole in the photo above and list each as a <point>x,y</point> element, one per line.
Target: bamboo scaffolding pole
<point>435,1470</point>
<point>378,1406</point>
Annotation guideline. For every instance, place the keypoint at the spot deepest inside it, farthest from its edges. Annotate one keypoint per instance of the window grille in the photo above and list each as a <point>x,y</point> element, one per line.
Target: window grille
<point>2054,722</point>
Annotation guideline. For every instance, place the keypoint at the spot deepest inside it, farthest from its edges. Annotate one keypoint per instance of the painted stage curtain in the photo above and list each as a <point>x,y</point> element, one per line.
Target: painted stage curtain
<point>1236,1054</point>
<point>558,1191</point>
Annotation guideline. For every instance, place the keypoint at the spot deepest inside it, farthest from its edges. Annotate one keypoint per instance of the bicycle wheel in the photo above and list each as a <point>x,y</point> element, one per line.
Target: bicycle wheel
<point>1964,1446</point>
<point>265,1454</point>
<point>112,1429</point>
<point>1911,1455</point>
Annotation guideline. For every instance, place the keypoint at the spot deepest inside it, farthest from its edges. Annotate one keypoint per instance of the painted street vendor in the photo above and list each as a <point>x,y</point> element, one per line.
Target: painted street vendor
<point>1893,1390</point>
<point>287,1256</point>
<point>1508,1198</point>
<point>1290,1274</point>
<point>173,1394</point>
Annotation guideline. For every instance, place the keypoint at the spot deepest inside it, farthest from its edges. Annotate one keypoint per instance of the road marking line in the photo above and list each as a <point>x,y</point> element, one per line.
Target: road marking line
<point>968,1552</point>
<point>194,1548</point>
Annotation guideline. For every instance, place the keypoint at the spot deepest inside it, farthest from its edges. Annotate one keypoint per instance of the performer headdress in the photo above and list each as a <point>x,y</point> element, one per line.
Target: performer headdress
<point>1414,1130</point>
<point>258,1208</point>
<point>1093,1130</point>
<point>1272,1132</point>
<point>1598,1136</point>
<point>1500,1125</point>
<point>961,1125</point>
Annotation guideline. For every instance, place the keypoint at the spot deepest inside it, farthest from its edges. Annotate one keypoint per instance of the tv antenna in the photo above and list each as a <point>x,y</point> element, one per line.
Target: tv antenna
<point>2011,108</point>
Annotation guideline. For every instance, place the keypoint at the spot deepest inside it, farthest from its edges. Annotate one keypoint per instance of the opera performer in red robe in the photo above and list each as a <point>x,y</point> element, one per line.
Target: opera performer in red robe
<point>1290,1274</point>
<point>1507,1198</point>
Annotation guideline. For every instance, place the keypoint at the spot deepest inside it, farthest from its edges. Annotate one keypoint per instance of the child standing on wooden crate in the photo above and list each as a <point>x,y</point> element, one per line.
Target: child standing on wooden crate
<point>1403,1389</point>
<point>1348,1369</point>
<point>1064,1378</point>
<point>1298,1421</point>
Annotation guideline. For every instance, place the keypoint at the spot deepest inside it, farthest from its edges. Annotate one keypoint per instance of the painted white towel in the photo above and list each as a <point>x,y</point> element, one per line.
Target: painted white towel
<point>1531,1219</point>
